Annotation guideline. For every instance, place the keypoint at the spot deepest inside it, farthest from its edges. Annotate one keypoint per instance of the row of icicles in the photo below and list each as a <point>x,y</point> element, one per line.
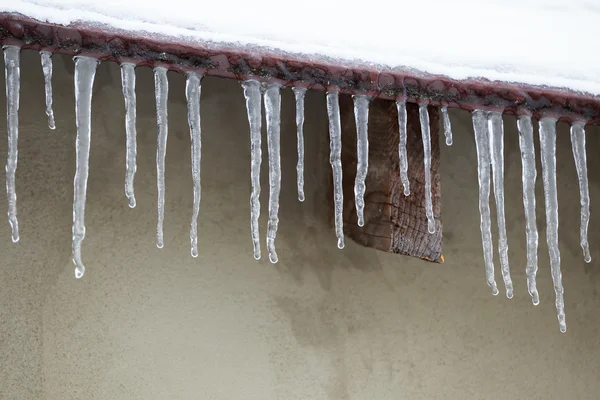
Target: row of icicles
<point>489,138</point>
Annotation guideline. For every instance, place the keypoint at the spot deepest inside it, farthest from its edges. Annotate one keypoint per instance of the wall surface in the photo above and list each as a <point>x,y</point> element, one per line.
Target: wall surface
<point>323,323</point>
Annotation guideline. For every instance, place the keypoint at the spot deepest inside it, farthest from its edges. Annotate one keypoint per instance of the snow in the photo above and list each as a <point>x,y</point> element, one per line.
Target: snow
<point>524,41</point>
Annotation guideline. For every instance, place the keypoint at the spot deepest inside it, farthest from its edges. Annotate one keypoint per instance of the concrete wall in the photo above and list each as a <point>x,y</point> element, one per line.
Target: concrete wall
<point>146,323</point>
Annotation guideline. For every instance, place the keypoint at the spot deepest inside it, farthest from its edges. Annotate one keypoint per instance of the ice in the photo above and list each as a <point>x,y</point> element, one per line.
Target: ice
<point>192,93</point>
<point>252,93</point>
<point>299,93</point>
<point>46,58</point>
<point>548,152</point>
<point>128,85</point>
<point>273,118</point>
<point>578,145</point>
<point>496,137</point>
<point>335,159</point>
<point>401,105</point>
<point>447,126</point>
<point>529,174</point>
<point>480,126</point>
<point>426,136</point>
<point>161,90</point>
<point>85,70</point>
<point>361,115</point>
<point>12,61</point>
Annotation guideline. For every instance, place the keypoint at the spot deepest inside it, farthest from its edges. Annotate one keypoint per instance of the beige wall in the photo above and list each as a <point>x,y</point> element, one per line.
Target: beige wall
<point>322,324</point>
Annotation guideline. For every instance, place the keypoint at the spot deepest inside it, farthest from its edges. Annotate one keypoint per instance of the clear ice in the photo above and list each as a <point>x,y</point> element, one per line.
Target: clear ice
<point>496,137</point>
<point>12,61</point>
<point>252,93</point>
<point>335,159</point>
<point>128,85</point>
<point>548,152</point>
<point>447,126</point>
<point>161,91</point>
<point>529,175</point>
<point>85,70</point>
<point>426,136</point>
<point>192,93</point>
<point>578,146</point>
<point>299,93</point>
<point>480,126</point>
<point>46,58</point>
<point>361,115</point>
<point>401,106</point>
<point>273,117</point>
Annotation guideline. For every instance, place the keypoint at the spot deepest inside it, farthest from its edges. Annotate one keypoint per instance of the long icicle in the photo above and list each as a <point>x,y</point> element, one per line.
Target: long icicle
<point>401,106</point>
<point>12,61</point>
<point>273,118</point>
<point>426,137</point>
<point>578,146</point>
<point>480,126</point>
<point>361,115</point>
<point>192,93</point>
<point>46,58</point>
<point>548,151</point>
<point>299,93</point>
<point>161,91</point>
<point>447,126</point>
<point>335,159</point>
<point>529,175</point>
<point>128,85</point>
<point>253,95</point>
<point>85,70</point>
<point>496,138</point>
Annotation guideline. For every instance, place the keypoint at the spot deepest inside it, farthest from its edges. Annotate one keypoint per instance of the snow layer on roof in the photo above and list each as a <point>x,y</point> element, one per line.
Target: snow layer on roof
<point>536,42</point>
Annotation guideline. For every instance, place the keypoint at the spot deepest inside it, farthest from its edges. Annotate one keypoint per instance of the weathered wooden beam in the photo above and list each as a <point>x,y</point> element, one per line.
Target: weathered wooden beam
<point>393,222</point>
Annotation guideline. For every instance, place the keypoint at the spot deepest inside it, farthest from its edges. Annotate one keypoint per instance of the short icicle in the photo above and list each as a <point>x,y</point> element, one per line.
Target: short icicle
<point>252,93</point>
<point>548,153</point>
<point>46,58</point>
<point>447,126</point>
<point>85,70</point>
<point>496,141</point>
<point>128,85</point>
<point>480,126</point>
<point>335,159</point>
<point>12,61</point>
<point>299,93</point>
<point>361,115</point>
<point>273,117</point>
<point>161,91</point>
<point>401,106</point>
<point>578,146</point>
<point>529,175</point>
<point>426,136</point>
<point>192,93</point>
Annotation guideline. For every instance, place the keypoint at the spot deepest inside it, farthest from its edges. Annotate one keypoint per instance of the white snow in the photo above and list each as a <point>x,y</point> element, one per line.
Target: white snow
<point>524,41</point>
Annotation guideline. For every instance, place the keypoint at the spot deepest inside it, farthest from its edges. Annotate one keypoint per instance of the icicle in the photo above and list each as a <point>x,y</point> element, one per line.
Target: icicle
<point>335,159</point>
<point>273,118</point>
<point>447,126</point>
<point>529,174</point>
<point>252,94</point>
<point>299,93</point>
<point>85,70</point>
<point>548,151</point>
<point>401,105</point>
<point>192,93</point>
<point>161,91</point>
<point>46,57</point>
<point>480,127</point>
<point>12,61</point>
<point>128,84</point>
<point>361,115</point>
<point>426,136</point>
<point>578,146</point>
<point>496,142</point>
